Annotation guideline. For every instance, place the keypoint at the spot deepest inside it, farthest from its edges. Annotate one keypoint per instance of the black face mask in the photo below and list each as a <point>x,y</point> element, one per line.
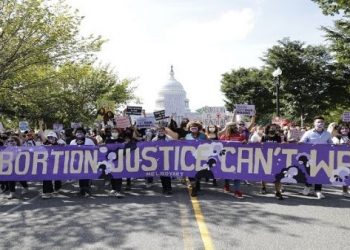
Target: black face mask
<point>80,141</point>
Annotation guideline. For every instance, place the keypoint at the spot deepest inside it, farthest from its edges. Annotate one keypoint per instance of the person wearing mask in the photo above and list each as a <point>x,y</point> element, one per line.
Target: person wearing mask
<point>257,134</point>
<point>343,138</point>
<point>80,139</point>
<point>14,141</point>
<point>165,134</point>
<point>232,134</point>
<point>211,132</point>
<point>317,135</point>
<point>149,135</point>
<point>272,136</point>
<point>48,187</point>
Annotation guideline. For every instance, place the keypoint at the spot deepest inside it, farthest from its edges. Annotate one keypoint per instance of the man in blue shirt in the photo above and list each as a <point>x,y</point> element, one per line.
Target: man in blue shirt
<point>317,135</point>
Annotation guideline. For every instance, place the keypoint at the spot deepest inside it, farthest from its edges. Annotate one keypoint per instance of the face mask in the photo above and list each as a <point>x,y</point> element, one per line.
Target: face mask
<point>115,135</point>
<point>211,130</point>
<point>38,143</point>
<point>161,134</point>
<point>194,129</point>
<point>11,143</point>
<point>272,131</point>
<point>149,134</point>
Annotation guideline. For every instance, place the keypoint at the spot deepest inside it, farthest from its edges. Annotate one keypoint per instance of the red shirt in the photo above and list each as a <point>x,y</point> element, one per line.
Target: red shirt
<point>234,137</point>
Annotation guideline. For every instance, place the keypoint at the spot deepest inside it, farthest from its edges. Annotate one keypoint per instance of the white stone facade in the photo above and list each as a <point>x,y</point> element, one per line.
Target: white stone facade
<point>172,98</point>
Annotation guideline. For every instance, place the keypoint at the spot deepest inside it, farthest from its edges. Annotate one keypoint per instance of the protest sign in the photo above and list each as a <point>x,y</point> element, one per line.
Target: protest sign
<point>270,162</point>
<point>214,116</point>
<point>75,125</point>
<point>245,109</point>
<point>145,122</point>
<point>57,127</point>
<point>159,115</point>
<point>122,122</point>
<point>133,110</point>
<point>23,126</point>
<point>346,116</point>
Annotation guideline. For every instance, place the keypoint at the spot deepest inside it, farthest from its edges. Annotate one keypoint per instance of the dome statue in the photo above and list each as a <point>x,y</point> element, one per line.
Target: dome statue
<point>172,98</point>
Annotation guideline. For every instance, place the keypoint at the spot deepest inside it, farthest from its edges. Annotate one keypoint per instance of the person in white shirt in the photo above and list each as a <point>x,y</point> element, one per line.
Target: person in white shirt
<point>80,139</point>
<point>317,135</point>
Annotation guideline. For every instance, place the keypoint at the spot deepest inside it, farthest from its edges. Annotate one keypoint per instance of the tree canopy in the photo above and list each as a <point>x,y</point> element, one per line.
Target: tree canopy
<point>47,69</point>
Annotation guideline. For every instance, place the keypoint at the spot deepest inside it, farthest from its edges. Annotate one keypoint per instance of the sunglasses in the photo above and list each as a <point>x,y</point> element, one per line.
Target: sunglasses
<point>242,125</point>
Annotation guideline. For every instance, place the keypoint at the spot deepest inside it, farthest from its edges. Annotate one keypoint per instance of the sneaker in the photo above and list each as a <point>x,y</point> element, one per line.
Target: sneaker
<point>169,192</point>
<point>115,193</point>
<point>238,194</point>
<point>11,196</point>
<point>346,194</point>
<point>279,196</point>
<point>46,195</point>
<point>128,187</point>
<point>227,189</point>
<point>25,191</point>
<point>193,193</point>
<point>263,190</point>
<point>148,185</point>
<point>306,191</point>
<point>320,195</point>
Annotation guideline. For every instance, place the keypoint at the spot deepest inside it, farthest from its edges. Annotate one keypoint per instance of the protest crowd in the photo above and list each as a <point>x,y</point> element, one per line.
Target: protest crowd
<point>110,133</point>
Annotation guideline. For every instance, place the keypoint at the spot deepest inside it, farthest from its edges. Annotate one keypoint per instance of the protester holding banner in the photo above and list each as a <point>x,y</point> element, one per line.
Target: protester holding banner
<point>257,134</point>
<point>80,139</point>
<point>211,132</point>
<point>163,135</point>
<point>272,136</point>
<point>14,141</point>
<point>232,134</point>
<point>343,138</point>
<point>317,135</point>
<point>194,129</point>
<point>48,187</point>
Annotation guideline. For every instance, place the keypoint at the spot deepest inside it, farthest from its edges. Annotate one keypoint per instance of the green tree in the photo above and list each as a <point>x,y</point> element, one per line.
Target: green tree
<point>310,84</point>
<point>47,70</point>
<point>250,86</point>
<point>331,7</point>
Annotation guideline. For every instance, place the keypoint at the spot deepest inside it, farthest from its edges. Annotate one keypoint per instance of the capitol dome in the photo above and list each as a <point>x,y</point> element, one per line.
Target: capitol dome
<point>172,97</point>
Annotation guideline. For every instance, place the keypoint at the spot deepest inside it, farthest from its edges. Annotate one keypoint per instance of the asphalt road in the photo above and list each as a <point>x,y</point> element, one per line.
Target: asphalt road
<point>146,219</point>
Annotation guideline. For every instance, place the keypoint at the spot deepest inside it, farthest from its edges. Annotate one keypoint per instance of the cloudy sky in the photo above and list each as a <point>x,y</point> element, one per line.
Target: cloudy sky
<point>202,39</point>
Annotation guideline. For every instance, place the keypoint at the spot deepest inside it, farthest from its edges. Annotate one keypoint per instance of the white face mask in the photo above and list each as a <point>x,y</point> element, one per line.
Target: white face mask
<point>115,135</point>
<point>38,143</point>
<point>211,130</point>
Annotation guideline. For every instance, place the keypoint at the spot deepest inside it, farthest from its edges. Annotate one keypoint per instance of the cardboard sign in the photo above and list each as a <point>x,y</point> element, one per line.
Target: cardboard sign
<point>57,127</point>
<point>133,110</point>
<point>145,122</point>
<point>213,110</point>
<point>122,122</point>
<point>75,125</point>
<point>346,116</point>
<point>245,109</point>
<point>159,115</point>
<point>23,126</point>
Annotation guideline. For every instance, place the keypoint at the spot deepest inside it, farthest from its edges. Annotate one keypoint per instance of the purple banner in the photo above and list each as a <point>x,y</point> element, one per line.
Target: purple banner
<point>288,163</point>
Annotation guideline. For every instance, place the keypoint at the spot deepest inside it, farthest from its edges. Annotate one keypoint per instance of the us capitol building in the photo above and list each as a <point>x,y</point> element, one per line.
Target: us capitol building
<point>172,98</point>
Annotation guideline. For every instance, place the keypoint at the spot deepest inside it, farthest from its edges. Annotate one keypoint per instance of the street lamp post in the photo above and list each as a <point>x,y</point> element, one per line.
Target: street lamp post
<point>276,74</point>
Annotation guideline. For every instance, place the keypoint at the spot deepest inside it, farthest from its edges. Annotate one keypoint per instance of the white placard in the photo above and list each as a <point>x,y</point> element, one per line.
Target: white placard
<point>346,116</point>
<point>75,125</point>
<point>57,127</point>
<point>23,126</point>
<point>122,121</point>
<point>145,122</point>
<point>245,109</point>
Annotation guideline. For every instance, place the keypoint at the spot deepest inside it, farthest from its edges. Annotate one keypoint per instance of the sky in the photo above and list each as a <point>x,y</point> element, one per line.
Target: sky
<point>202,39</point>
